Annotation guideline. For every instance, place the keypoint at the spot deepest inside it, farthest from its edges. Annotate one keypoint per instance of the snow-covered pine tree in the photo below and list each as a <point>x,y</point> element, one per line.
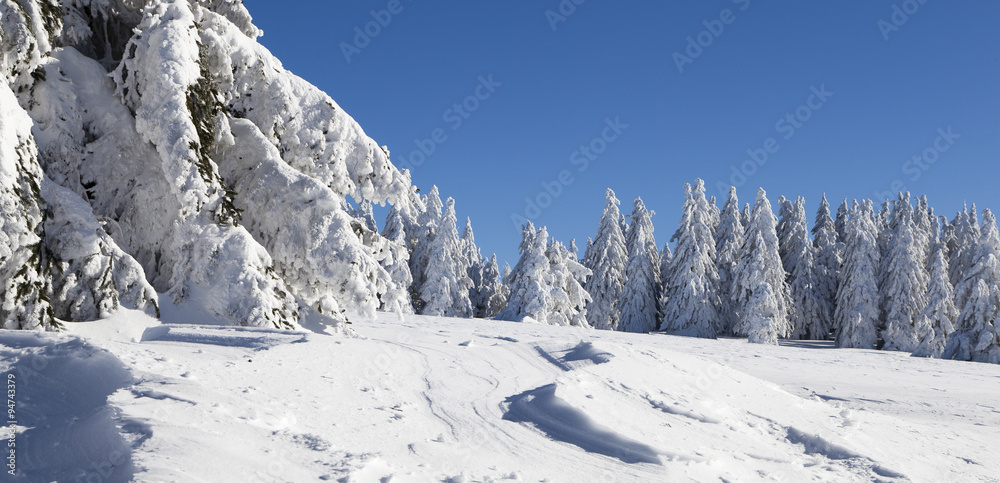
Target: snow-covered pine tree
<point>810,312</point>
<point>428,220</point>
<point>905,287</point>
<point>693,286</point>
<point>446,281</point>
<point>760,289</point>
<point>857,313</point>
<point>924,219</point>
<point>662,297</point>
<point>608,257</point>
<point>728,242</point>
<point>588,254</point>
<point>977,334</point>
<point>715,212</point>
<point>828,255</point>
<point>474,264</point>
<point>568,300</point>
<point>397,264</point>
<point>638,299</point>
<point>786,210</point>
<point>840,222</point>
<point>936,321</point>
<point>492,297</point>
<point>529,297</point>
<point>745,214</point>
<point>964,250</point>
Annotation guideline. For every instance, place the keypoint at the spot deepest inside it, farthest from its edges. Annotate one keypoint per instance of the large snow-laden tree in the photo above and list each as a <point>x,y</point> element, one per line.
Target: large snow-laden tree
<point>828,255</point>
<point>857,314</point>
<point>608,255</point>
<point>936,321</point>
<point>810,312</point>
<point>904,289</point>
<point>759,287</point>
<point>977,334</point>
<point>728,242</point>
<point>638,299</point>
<point>693,286</point>
<point>150,151</point>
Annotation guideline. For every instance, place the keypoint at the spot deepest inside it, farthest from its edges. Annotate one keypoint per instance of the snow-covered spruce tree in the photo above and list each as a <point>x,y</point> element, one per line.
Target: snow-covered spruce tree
<point>904,290</point>
<point>977,334</point>
<point>662,297</point>
<point>638,299</point>
<point>568,300</point>
<point>492,296</point>
<point>693,286</point>
<point>760,289</point>
<point>811,315</point>
<point>857,314</point>
<point>963,250</point>
<point>608,257</point>
<point>728,242</point>
<point>588,253</point>
<point>446,287</point>
<point>528,296</point>
<point>397,264</point>
<point>428,219</point>
<point>472,260</point>
<point>786,210</point>
<point>924,220</point>
<point>828,255</point>
<point>745,214</point>
<point>840,222</point>
<point>936,321</point>
<point>715,212</point>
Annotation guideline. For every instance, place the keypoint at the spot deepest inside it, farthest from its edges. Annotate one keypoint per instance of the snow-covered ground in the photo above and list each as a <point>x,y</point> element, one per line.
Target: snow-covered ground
<point>438,399</point>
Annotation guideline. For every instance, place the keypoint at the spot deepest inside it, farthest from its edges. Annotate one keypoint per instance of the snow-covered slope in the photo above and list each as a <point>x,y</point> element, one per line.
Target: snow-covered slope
<point>438,399</point>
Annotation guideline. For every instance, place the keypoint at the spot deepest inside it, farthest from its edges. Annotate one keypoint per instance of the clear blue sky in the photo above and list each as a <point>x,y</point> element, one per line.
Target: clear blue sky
<point>895,81</point>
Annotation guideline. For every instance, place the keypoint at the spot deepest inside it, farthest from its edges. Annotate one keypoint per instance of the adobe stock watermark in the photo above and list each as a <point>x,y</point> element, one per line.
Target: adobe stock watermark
<point>373,28</point>
<point>453,117</point>
<point>581,159</point>
<point>563,10</point>
<point>786,126</point>
<point>714,29</point>
<point>11,457</point>
<point>901,14</point>
<point>921,163</point>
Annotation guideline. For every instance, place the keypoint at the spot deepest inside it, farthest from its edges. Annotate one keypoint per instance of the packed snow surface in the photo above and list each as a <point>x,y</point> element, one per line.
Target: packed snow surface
<point>440,399</point>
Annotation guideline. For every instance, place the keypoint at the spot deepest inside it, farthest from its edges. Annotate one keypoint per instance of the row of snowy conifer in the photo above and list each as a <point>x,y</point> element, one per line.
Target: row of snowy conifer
<point>900,279</point>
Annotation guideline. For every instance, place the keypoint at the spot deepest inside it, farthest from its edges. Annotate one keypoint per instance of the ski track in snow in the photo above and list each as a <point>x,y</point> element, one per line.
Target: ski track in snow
<point>437,399</point>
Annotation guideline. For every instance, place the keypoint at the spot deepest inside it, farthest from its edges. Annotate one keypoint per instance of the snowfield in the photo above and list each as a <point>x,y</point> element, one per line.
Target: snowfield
<point>440,399</point>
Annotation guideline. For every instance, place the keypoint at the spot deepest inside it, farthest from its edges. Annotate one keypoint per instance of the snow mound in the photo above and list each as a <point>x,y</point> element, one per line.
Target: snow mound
<point>563,422</point>
<point>66,430</point>
<point>247,337</point>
